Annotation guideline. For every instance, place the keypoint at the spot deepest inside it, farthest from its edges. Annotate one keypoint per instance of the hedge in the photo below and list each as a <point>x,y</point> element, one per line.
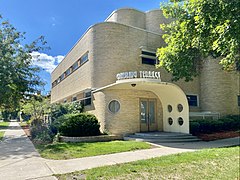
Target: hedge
<point>227,123</point>
<point>77,125</point>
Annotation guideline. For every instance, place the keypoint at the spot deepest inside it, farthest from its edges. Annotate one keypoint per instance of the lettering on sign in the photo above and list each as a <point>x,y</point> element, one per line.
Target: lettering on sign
<point>138,74</point>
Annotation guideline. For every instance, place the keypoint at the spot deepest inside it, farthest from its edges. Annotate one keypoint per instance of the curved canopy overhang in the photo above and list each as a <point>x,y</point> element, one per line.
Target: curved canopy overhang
<point>168,93</point>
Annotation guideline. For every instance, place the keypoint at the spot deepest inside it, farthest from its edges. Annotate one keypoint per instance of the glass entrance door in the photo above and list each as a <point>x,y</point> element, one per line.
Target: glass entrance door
<point>148,115</point>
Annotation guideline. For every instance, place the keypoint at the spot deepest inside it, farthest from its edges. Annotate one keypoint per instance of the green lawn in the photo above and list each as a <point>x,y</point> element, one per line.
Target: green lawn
<point>4,125</point>
<point>78,150</point>
<point>1,135</point>
<point>221,163</point>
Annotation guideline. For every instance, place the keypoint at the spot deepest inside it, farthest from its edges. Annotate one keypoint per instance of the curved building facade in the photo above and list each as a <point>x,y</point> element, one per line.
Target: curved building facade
<point>111,70</point>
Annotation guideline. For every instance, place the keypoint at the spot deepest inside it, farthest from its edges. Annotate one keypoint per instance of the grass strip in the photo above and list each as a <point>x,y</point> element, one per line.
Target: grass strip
<point>4,125</point>
<point>78,150</point>
<point>219,163</point>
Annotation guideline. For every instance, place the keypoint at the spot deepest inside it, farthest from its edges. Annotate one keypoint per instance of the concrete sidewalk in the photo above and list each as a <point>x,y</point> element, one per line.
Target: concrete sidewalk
<point>19,159</point>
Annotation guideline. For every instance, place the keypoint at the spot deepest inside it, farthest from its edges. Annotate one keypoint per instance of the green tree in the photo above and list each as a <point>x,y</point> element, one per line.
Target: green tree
<point>18,76</point>
<point>36,106</point>
<point>200,28</point>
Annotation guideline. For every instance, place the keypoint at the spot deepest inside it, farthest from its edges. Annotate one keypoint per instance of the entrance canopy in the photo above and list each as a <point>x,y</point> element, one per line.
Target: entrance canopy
<point>173,99</point>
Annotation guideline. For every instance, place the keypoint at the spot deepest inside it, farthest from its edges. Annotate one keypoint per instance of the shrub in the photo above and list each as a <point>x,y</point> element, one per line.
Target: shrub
<point>194,127</point>
<point>230,123</point>
<point>58,110</point>
<point>234,117</point>
<point>81,124</point>
<point>40,132</point>
<point>227,123</point>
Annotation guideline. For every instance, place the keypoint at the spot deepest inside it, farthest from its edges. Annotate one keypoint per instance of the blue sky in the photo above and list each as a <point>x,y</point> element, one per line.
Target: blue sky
<point>62,22</point>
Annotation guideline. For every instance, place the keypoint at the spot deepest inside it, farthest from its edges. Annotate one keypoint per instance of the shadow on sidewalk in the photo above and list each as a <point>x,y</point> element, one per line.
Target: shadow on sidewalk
<point>17,147</point>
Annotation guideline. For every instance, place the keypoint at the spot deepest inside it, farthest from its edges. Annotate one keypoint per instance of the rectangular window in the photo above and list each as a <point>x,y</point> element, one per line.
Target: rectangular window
<point>54,83</point>
<point>148,61</point>
<point>87,98</point>
<point>192,100</point>
<point>238,100</point>
<point>68,71</point>
<point>75,66</point>
<point>149,53</point>
<point>148,57</point>
<point>84,59</point>
<point>238,66</point>
<point>58,80</point>
<point>74,98</point>
<point>62,77</point>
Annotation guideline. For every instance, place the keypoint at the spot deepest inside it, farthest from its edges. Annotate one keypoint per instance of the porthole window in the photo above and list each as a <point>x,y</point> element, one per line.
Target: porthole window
<point>114,106</point>
<point>180,108</point>
<point>170,121</point>
<point>180,121</point>
<point>169,108</point>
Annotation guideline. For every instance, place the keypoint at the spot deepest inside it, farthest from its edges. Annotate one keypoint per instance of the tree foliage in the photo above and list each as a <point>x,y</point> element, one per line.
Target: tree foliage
<point>17,74</point>
<point>36,107</point>
<point>200,28</point>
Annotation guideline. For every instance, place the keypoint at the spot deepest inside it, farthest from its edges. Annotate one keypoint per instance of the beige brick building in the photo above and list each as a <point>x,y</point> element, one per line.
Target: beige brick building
<point>111,69</point>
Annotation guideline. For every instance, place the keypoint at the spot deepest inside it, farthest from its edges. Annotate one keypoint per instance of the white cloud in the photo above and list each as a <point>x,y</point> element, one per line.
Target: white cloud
<point>45,61</point>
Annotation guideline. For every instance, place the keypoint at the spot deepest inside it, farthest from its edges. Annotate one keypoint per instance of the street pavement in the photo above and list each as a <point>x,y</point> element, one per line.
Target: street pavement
<point>20,160</point>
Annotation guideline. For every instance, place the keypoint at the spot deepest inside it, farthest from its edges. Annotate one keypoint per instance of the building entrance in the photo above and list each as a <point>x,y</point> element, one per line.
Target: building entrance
<point>148,115</point>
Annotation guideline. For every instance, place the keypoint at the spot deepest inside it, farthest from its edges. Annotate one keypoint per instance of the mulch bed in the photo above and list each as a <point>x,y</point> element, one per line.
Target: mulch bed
<point>218,135</point>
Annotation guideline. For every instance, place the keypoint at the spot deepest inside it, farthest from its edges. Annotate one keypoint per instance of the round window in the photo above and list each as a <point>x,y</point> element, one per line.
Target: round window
<point>169,108</point>
<point>114,106</point>
<point>180,107</point>
<point>170,121</point>
<point>180,121</point>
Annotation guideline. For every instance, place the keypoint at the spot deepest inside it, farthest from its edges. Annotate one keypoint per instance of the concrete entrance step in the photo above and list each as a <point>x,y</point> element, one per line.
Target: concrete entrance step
<point>164,137</point>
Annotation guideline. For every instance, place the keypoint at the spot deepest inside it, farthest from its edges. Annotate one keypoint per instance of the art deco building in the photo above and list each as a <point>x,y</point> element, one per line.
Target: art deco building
<point>111,70</point>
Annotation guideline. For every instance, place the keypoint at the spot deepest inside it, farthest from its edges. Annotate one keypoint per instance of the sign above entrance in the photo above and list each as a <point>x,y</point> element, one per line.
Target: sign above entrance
<point>139,74</point>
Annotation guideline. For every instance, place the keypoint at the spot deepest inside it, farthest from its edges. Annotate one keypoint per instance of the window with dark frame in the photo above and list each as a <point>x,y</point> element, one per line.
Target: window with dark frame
<point>87,98</point>
<point>68,71</point>
<point>192,100</point>
<point>238,66</point>
<point>75,66</point>
<point>62,77</point>
<point>74,98</point>
<point>149,57</point>
<point>84,58</point>
<point>54,83</point>
<point>238,100</point>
